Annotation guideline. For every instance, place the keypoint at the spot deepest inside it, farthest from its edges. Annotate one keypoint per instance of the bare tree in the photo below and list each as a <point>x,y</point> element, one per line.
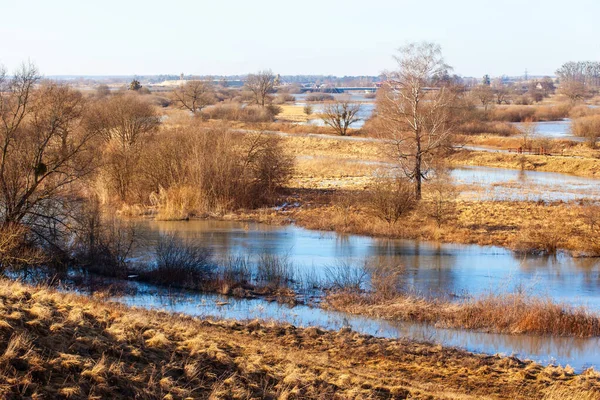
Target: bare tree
<point>44,153</point>
<point>484,95</point>
<point>123,122</point>
<point>528,133</point>
<point>417,119</point>
<point>340,115</point>
<point>123,118</point>
<point>573,89</point>
<point>502,95</point>
<point>261,84</point>
<point>194,96</point>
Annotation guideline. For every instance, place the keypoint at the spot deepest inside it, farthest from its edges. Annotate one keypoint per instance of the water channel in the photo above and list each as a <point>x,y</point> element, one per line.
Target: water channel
<point>429,268</point>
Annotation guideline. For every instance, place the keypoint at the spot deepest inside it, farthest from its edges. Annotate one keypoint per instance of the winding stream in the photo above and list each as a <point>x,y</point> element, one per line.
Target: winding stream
<point>429,268</point>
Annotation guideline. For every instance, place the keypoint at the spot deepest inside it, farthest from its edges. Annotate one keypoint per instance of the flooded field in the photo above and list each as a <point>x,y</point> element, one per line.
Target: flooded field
<point>512,184</point>
<point>578,353</point>
<point>553,130</point>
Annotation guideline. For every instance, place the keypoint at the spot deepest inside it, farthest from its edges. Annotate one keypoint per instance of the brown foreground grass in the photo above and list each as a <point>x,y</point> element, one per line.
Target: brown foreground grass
<point>57,345</point>
<point>509,313</point>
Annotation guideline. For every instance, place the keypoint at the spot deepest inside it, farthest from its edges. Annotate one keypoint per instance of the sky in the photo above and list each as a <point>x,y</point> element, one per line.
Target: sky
<point>350,37</point>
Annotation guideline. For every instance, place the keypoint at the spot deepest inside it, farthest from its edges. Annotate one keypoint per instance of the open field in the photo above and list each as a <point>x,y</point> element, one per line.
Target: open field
<point>65,346</point>
<point>293,113</point>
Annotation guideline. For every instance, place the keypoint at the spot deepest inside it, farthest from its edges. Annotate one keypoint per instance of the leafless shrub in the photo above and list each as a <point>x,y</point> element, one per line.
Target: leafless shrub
<point>16,252</point>
<point>385,278</point>
<point>319,97</point>
<point>192,170</point>
<point>179,261</point>
<point>542,237</point>
<point>587,127</point>
<point>239,112</point>
<point>308,110</point>
<point>103,242</point>
<point>498,128</point>
<point>268,164</point>
<point>590,212</point>
<point>283,98</point>
<point>234,271</point>
<point>389,198</point>
<point>274,271</point>
<point>440,200</point>
<point>345,275</point>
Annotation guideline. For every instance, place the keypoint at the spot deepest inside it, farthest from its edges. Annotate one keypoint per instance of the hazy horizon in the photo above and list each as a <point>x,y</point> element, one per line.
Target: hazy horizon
<point>313,38</point>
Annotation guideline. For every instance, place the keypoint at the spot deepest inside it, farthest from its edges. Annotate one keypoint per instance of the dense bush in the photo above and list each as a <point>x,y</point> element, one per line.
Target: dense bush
<point>318,97</point>
<point>520,113</point>
<point>241,112</point>
<point>588,128</point>
<point>494,128</point>
<point>189,170</point>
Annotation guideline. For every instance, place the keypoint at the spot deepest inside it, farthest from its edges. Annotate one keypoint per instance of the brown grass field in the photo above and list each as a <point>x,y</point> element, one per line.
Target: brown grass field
<point>57,345</point>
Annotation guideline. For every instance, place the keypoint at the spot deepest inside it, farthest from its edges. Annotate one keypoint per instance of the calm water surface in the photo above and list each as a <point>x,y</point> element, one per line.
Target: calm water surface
<point>429,268</point>
<point>553,130</point>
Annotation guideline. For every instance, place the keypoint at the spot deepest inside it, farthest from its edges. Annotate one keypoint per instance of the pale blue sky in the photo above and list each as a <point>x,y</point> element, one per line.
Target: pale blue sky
<point>294,37</point>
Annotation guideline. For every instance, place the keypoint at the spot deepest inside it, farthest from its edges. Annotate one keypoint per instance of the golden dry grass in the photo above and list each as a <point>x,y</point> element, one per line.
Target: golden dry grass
<point>102,350</point>
<point>512,313</point>
<point>582,166</point>
<point>292,113</point>
<point>525,226</point>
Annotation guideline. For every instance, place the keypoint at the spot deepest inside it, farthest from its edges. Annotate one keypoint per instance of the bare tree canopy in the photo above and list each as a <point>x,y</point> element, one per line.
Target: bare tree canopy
<point>484,94</point>
<point>573,89</point>
<point>194,96</point>
<point>44,153</point>
<point>123,118</point>
<point>586,72</point>
<point>415,117</point>
<point>123,122</point>
<point>340,115</point>
<point>261,84</point>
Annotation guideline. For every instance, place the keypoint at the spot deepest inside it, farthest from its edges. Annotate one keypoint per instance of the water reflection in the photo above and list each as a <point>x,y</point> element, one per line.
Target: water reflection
<point>552,129</point>
<point>429,267</point>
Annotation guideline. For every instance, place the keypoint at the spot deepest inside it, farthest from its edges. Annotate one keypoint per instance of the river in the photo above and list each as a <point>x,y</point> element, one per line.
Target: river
<point>429,268</point>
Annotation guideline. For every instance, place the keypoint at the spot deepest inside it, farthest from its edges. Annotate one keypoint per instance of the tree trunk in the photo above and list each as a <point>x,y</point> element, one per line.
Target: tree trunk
<point>418,178</point>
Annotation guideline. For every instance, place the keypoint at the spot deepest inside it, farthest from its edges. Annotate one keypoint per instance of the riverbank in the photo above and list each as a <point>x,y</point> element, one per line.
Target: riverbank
<point>508,313</point>
<point>66,346</point>
<point>565,164</point>
<point>522,226</point>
